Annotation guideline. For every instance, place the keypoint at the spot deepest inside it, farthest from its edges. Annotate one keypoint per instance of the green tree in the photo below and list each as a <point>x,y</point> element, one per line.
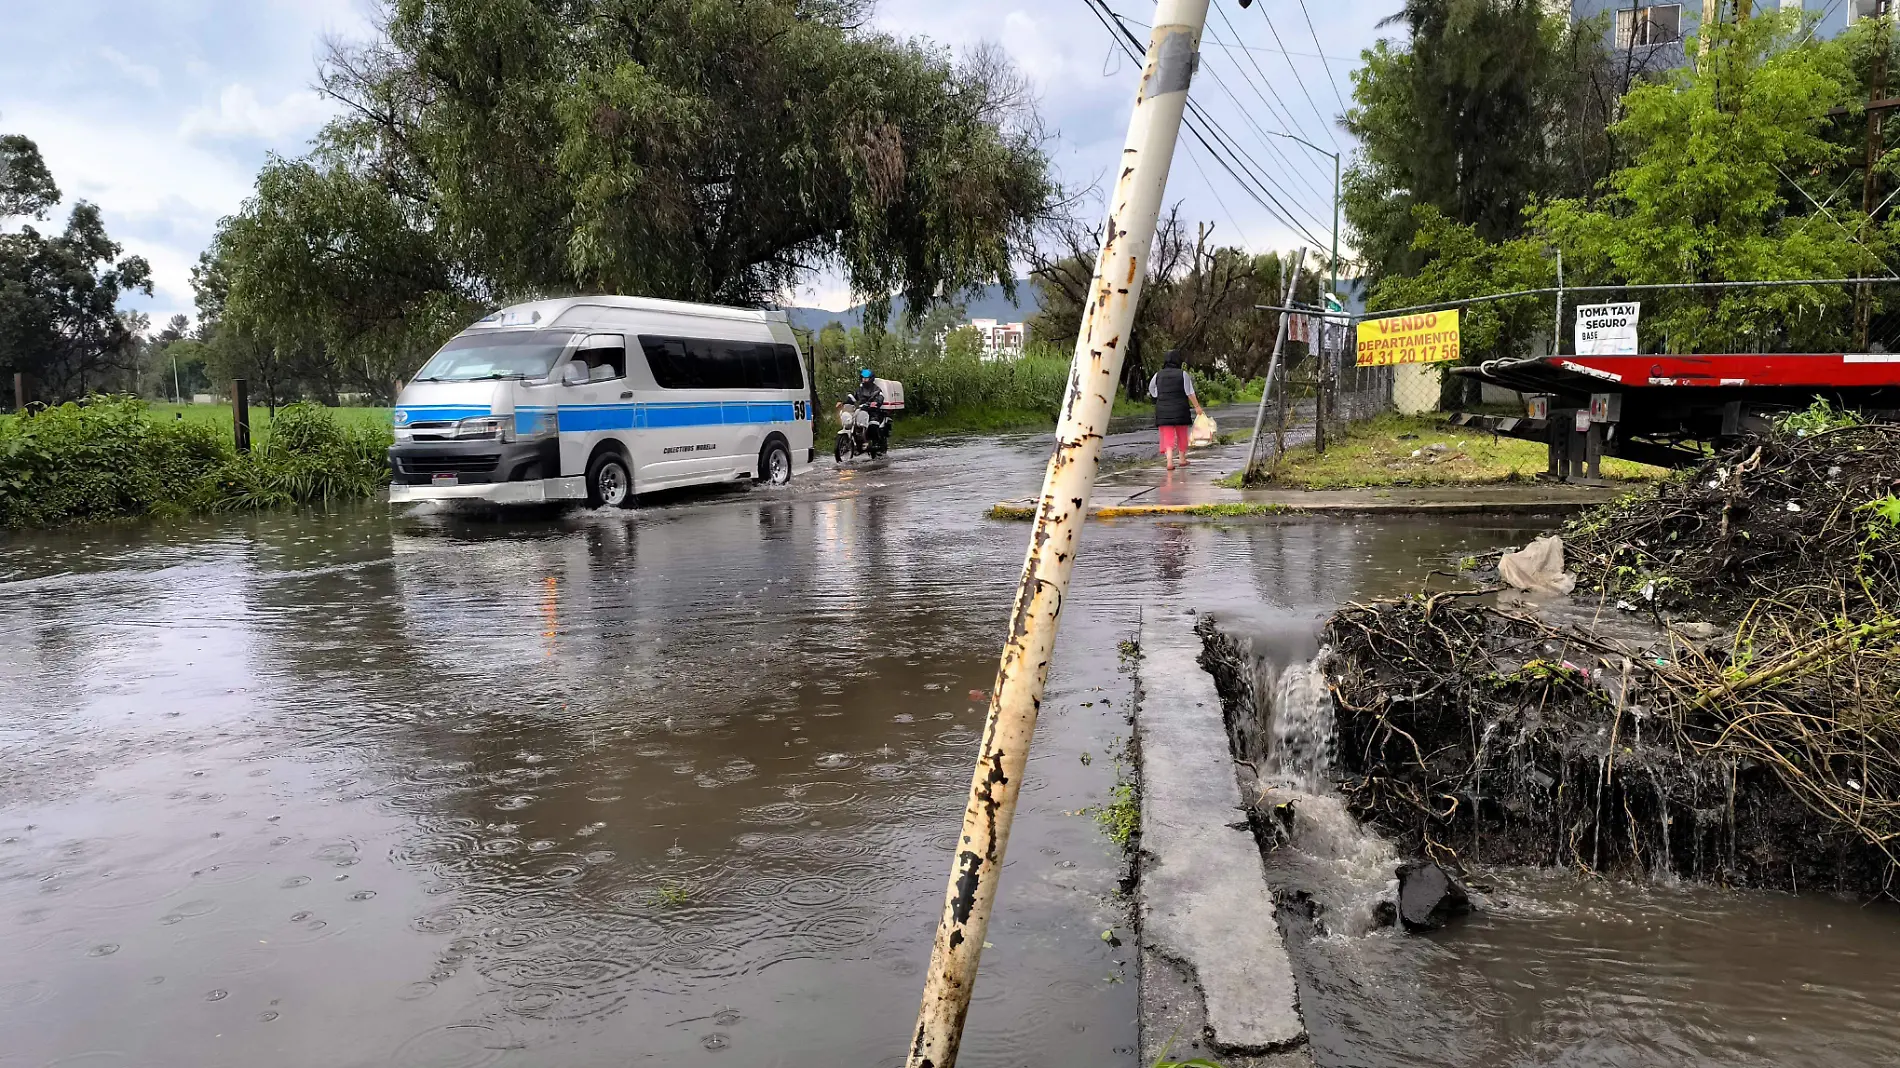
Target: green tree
<point>60,321</point>
<point>494,150</point>
<point>1710,194</point>
<point>1489,106</point>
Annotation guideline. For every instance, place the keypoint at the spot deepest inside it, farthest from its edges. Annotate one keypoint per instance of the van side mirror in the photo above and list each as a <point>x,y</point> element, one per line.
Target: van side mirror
<point>573,373</point>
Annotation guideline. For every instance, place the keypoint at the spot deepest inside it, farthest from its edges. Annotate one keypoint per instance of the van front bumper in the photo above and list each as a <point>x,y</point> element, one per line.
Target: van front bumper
<point>539,491</point>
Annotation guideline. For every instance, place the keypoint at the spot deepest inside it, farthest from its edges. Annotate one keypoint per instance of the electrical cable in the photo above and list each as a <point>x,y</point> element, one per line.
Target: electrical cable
<point>1327,126</point>
<point>1330,79</point>
<point>1266,136</point>
<point>1273,205</point>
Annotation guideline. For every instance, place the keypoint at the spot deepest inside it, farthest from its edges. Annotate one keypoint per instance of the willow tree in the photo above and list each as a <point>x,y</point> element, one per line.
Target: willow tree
<point>491,150</point>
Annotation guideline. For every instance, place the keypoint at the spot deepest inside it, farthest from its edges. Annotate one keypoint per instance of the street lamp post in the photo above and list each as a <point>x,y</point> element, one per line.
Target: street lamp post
<point>1332,285</point>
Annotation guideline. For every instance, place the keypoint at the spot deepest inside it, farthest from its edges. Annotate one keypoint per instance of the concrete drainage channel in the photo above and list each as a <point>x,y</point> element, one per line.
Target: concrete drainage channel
<point>1215,976</point>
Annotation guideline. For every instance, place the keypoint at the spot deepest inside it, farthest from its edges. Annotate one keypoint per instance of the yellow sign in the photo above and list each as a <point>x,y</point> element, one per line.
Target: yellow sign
<point>1428,337</point>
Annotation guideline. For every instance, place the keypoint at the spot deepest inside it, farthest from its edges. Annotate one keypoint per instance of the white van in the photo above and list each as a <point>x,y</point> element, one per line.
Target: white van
<point>599,398</point>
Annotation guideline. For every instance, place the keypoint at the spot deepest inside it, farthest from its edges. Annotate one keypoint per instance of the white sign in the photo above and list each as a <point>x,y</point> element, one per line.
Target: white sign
<point>1607,329</point>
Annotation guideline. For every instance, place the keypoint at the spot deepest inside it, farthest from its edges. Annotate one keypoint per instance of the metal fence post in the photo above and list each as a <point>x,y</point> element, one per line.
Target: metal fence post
<point>1173,54</point>
<point>1273,367</point>
<point>19,392</point>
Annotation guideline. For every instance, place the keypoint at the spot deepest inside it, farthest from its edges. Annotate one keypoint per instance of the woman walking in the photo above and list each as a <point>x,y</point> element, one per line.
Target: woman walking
<point>1175,407</point>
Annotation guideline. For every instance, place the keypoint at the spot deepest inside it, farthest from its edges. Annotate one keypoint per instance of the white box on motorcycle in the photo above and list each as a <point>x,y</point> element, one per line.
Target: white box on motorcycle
<point>893,394</point>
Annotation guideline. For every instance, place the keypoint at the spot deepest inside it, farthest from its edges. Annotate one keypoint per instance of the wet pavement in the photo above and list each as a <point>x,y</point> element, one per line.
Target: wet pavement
<point>673,785</point>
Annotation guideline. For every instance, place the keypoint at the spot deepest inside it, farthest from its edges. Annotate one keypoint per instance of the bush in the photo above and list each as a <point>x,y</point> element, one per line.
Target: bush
<point>98,459</point>
<point>107,457</point>
<point>306,457</point>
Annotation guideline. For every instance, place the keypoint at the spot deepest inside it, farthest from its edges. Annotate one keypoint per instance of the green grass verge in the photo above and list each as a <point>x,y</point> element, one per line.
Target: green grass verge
<point>219,415</point>
<point>1421,450</point>
<point>113,457</point>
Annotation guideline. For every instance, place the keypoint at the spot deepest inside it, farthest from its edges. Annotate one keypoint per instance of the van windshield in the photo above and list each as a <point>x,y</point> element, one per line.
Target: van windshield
<point>514,354</point>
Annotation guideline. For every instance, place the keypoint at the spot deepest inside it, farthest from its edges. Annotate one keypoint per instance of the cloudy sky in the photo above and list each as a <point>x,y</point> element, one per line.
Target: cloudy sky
<point>160,111</point>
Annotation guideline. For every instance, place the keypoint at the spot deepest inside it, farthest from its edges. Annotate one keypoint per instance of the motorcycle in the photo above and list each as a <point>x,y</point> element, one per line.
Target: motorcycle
<point>862,429</point>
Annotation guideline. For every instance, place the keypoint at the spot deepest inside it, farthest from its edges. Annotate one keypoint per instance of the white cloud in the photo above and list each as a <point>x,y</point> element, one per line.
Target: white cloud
<point>239,115</point>
<point>142,73</point>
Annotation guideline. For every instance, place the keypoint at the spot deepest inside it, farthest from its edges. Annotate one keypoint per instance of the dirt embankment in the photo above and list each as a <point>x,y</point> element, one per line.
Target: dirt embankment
<point>1720,700</point>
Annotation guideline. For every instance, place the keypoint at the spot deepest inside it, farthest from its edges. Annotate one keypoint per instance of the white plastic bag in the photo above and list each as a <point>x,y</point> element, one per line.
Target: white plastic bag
<point>1204,431</point>
<point>1538,568</point>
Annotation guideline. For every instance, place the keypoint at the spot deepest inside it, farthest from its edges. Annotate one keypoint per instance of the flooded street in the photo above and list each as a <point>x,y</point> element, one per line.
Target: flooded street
<point>671,786</point>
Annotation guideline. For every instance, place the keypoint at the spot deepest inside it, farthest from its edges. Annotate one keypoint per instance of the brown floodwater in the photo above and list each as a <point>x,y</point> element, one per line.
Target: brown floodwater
<point>1554,968</point>
<point>669,786</point>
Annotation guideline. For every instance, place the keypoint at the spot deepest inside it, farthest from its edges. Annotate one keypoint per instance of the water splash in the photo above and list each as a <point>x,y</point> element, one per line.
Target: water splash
<point>1300,739</point>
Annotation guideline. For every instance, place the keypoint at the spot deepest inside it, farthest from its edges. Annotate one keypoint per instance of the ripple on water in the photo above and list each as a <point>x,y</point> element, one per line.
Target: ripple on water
<point>23,993</point>
<point>777,812</point>
<point>957,737</point>
<point>459,1045</point>
<point>837,929</point>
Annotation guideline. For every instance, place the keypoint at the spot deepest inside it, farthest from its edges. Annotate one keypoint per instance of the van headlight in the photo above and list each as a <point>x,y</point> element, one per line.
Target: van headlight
<point>485,428</point>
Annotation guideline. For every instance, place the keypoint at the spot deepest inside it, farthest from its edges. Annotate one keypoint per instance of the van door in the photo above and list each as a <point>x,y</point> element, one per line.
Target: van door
<point>681,417</point>
<point>597,404</point>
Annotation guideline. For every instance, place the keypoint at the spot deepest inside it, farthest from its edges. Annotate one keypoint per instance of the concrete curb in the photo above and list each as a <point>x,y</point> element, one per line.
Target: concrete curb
<point>1024,511</point>
<point>1214,972</point>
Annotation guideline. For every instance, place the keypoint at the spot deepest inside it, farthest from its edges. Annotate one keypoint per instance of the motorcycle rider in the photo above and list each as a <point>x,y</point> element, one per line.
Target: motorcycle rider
<point>870,396</point>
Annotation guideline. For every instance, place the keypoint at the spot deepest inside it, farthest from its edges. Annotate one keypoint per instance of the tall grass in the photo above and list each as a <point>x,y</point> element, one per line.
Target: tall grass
<point>955,391</point>
<point>108,457</point>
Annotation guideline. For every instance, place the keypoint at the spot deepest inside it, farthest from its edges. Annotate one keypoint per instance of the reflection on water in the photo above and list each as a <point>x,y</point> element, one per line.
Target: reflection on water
<point>670,786</point>
<point>1562,970</point>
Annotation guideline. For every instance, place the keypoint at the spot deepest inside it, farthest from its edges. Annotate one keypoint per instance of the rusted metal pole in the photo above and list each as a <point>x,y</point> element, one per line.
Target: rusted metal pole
<point>1173,54</point>
<point>1273,368</point>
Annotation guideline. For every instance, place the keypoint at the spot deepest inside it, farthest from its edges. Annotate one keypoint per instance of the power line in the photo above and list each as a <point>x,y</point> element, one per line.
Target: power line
<point>1330,80</point>
<point>1283,114</point>
<point>1254,48</point>
<point>1215,193</point>
<point>1327,126</point>
<point>1292,167</point>
<point>1272,204</point>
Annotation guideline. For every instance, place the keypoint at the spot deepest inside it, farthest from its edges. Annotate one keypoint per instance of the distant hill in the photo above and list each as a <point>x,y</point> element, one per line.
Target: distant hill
<point>989,304</point>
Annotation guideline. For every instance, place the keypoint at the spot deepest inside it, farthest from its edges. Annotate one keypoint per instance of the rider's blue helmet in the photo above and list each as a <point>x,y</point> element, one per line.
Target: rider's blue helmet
<point>864,372</point>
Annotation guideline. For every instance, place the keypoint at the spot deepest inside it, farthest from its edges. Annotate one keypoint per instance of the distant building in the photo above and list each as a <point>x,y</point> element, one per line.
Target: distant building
<point>1655,32</point>
<point>1001,341</point>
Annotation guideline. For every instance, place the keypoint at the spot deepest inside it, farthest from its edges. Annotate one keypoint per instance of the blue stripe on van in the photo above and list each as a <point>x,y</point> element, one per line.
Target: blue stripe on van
<point>588,418</point>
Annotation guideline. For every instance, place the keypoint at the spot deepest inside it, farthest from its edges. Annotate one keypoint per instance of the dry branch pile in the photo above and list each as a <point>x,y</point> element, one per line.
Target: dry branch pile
<point>1761,751</point>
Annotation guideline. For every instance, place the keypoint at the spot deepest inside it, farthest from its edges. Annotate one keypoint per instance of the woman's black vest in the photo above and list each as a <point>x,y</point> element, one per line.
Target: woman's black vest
<point>1171,399</point>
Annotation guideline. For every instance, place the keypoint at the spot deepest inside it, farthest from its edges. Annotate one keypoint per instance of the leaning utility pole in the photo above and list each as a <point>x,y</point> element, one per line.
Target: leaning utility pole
<point>1173,55</point>
<point>1869,183</point>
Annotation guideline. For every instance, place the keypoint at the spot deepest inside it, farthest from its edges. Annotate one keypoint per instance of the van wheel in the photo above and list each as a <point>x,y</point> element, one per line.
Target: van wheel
<point>775,464</point>
<point>608,483</point>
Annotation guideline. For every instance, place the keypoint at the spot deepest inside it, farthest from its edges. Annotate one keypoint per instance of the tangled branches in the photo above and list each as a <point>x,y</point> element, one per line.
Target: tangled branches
<point>1758,745</point>
<point>1804,520</point>
<point>1479,734</point>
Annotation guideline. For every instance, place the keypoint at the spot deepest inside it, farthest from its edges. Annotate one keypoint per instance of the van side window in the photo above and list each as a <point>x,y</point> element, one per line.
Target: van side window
<point>603,364</point>
<point>706,363</point>
<point>791,374</point>
<point>674,367</point>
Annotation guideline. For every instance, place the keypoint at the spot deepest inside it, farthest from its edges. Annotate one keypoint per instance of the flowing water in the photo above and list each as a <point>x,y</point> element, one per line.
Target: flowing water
<point>1552,968</point>
<point>670,786</point>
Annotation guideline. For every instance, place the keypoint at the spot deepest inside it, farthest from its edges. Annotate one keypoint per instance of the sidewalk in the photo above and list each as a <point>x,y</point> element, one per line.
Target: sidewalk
<point>1148,489</point>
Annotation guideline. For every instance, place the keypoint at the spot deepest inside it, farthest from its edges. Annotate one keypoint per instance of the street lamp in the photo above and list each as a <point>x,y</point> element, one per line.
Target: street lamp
<point>1319,403</point>
<point>1333,285</point>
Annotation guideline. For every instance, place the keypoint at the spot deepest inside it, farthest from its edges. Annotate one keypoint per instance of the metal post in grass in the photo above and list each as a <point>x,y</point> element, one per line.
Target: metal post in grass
<point>1173,53</point>
<point>241,414</point>
<point>1273,368</point>
<point>19,392</point>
